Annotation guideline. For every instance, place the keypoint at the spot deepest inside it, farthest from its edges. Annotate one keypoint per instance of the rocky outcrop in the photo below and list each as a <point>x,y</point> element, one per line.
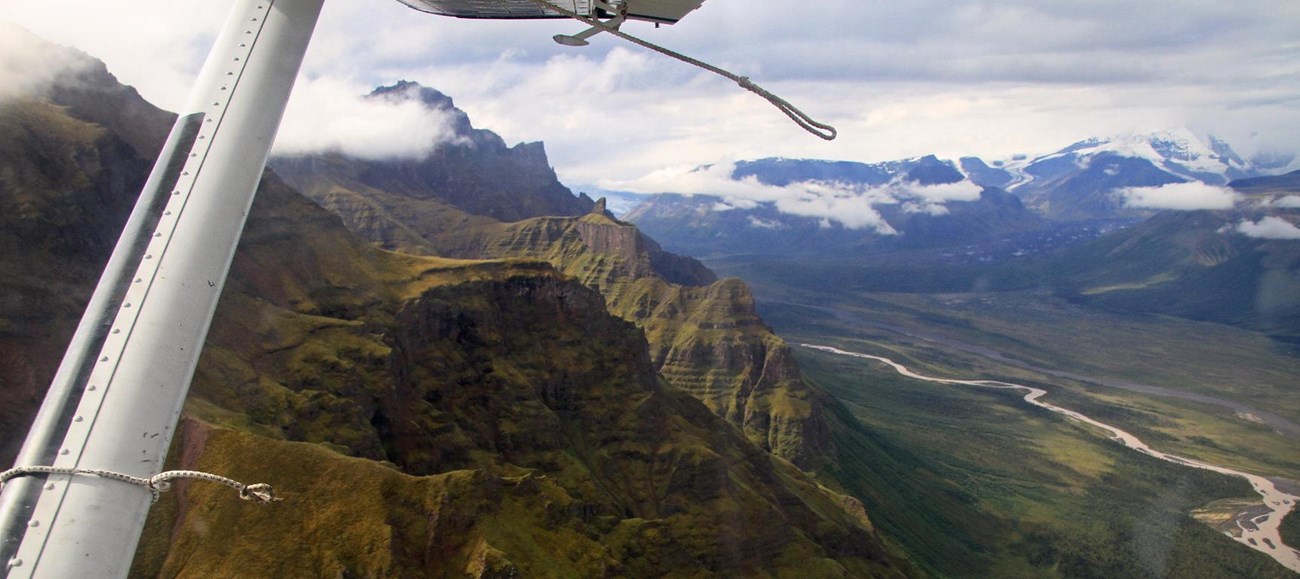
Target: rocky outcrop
<point>478,174</point>
<point>706,339</point>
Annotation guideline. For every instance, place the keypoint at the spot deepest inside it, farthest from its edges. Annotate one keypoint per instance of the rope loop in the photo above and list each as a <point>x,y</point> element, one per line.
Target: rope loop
<point>799,117</point>
<point>260,493</point>
<point>157,484</point>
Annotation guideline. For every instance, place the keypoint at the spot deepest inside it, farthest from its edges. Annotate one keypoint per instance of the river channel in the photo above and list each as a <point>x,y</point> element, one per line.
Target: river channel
<point>1259,532</point>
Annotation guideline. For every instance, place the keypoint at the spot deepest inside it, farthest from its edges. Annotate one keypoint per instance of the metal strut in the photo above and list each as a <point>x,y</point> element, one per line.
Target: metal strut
<point>119,391</point>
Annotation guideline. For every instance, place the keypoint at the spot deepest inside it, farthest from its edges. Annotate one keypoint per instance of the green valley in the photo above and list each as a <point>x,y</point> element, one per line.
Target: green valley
<point>1048,495</point>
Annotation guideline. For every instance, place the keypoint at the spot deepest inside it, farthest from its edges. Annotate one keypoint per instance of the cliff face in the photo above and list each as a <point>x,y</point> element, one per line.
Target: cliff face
<point>705,337</point>
<point>73,152</point>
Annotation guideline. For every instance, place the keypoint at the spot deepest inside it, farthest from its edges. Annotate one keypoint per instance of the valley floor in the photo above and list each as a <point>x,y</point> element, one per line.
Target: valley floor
<point>1253,523</point>
<point>1203,391</point>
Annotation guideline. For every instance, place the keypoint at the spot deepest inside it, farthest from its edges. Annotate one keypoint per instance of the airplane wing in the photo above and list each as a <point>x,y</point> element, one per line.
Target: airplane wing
<point>665,11</point>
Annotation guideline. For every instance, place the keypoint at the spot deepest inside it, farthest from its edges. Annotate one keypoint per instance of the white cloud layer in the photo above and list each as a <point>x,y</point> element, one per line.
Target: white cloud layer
<point>1179,196</point>
<point>25,68</point>
<point>831,202</point>
<point>334,116</point>
<point>1270,227</point>
<point>1287,202</point>
<point>852,206</point>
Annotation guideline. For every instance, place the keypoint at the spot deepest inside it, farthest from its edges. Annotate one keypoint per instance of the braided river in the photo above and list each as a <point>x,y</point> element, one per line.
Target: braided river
<point>1259,530</point>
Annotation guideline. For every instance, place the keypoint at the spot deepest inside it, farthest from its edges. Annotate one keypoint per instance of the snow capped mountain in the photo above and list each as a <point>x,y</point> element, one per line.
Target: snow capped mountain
<point>780,171</point>
<point>1177,151</point>
<point>1093,178</point>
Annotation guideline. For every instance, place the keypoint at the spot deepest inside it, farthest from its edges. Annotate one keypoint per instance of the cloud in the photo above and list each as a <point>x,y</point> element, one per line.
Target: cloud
<point>29,65</point>
<point>156,46</point>
<point>1269,227</point>
<point>943,192</point>
<point>852,210</point>
<point>850,205</point>
<point>332,115</point>
<point>759,223</point>
<point>1179,196</point>
<point>1287,202</point>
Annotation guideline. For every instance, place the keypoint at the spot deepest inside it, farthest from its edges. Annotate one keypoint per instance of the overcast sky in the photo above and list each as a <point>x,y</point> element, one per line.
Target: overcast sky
<point>898,79</point>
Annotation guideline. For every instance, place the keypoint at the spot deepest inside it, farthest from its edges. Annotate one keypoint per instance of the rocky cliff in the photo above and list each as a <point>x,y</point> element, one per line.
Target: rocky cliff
<point>707,340</point>
<point>479,175</point>
<point>705,336</point>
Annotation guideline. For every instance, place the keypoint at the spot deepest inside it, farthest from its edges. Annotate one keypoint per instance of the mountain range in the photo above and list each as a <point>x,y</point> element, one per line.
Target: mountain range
<point>1159,223</point>
<point>696,225</point>
<point>1092,180</point>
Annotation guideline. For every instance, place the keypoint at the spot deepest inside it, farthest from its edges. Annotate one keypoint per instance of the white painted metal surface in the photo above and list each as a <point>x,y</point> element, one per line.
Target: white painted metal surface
<point>666,11</point>
<point>84,526</point>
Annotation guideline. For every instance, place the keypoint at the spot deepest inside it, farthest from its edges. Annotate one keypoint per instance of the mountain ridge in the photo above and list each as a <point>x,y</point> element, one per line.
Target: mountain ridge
<point>422,415</point>
<point>482,177</point>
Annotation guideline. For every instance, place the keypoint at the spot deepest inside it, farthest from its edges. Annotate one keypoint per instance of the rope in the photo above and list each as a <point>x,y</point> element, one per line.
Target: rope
<point>157,484</point>
<point>800,118</point>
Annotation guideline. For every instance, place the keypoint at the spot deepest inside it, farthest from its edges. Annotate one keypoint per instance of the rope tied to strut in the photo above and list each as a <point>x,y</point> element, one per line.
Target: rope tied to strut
<point>799,117</point>
<point>157,484</point>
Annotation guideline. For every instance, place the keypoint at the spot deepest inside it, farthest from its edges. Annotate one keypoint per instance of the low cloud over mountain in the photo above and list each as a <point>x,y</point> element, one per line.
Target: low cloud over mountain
<point>327,115</point>
<point>1269,227</point>
<point>28,66</point>
<point>832,199</point>
<point>1188,196</point>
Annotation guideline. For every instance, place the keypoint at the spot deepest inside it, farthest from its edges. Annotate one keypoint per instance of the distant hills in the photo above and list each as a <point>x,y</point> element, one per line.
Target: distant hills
<point>1087,180</point>
<point>1160,223</point>
<point>1111,179</point>
<point>1239,266</point>
<point>901,204</point>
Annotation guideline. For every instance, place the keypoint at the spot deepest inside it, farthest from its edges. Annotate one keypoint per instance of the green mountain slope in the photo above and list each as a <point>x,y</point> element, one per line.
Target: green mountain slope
<point>705,336</point>
<point>423,416</point>
<point>57,173</point>
<point>1190,264</point>
<point>510,424</point>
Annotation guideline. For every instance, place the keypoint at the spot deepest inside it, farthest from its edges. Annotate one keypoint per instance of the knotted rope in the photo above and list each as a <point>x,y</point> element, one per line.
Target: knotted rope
<point>157,484</point>
<point>800,118</point>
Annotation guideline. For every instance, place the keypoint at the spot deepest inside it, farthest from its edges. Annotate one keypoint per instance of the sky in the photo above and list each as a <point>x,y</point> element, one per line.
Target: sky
<point>897,79</point>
